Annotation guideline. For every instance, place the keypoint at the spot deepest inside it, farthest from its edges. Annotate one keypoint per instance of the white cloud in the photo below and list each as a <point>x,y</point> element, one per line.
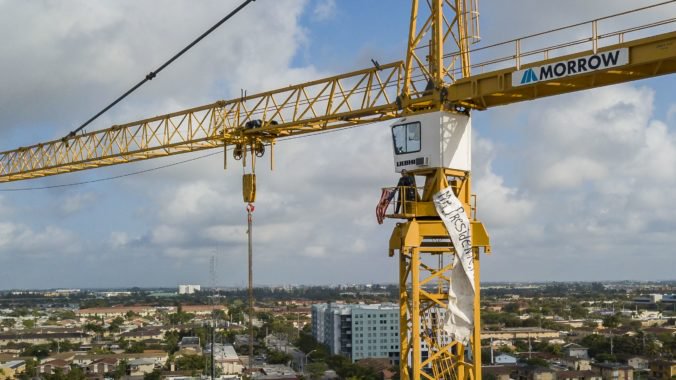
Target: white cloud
<point>102,58</point>
<point>324,9</point>
<point>571,172</point>
<point>5,208</point>
<point>565,180</point>
<point>76,202</point>
<point>498,204</point>
<point>190,202</point>
<point>118,239</point>
<point>598,172</point>
<point>19,239</point>
<point>314,251</point>
<point>671,113</point>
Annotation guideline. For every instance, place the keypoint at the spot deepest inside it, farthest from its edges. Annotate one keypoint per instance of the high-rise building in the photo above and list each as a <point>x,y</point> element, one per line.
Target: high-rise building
<point>188,289</point>
<point>358,331</point>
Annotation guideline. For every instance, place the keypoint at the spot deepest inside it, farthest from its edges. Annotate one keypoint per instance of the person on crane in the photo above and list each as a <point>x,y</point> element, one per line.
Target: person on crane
<point>406,184</point>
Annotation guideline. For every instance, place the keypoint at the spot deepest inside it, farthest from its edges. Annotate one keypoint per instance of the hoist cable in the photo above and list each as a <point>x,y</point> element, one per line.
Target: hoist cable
<point>153,74</point>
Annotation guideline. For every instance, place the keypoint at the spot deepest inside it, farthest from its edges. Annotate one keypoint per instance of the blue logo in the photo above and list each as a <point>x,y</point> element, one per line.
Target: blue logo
<point>529,76</point>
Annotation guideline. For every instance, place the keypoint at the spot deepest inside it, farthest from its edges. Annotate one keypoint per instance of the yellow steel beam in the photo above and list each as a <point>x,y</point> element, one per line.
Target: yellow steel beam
<point>648,57</point>
<point>344,100</point>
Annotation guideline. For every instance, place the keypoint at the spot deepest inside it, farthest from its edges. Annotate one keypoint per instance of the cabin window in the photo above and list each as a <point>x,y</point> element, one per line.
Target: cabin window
<point>406,138</point>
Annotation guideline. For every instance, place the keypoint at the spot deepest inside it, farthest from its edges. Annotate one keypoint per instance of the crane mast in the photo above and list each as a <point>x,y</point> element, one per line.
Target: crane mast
<point>426,254</point>
<point>435,78</point>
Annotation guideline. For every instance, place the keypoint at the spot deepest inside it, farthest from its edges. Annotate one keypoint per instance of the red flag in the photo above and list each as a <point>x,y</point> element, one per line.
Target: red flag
<point>385,199</point>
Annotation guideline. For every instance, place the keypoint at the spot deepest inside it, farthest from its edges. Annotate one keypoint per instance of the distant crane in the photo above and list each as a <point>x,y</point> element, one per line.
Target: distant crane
<point>431,93</point>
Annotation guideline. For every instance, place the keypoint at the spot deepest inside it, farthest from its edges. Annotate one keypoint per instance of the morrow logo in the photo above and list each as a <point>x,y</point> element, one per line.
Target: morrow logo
<point>529,76</point>
<point>570,67</point>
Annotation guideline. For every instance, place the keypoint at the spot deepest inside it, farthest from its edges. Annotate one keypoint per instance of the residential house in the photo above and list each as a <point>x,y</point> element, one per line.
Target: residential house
<point>497,372</point>
<point>575,350</point>
<point>190,344</point>
<point>505,359</point>
<point>140,367</point>
<point>40,338</point>
<point>275,372</point>
<point>521,333</point>
<point>66,356</point>
<point>577,364</point>
<point>202,309</point>
<point>227,360</point>
<point>614,371</point>
<point>112,312</point>
<point>158,356</point>
<point>143,333</point>
<point>638,362</point>
<point>52,366</point>
<point>11,369</point>
<point>535,373</point>
<point>662,369</point>
<point>102,366</point>
<point>577,375</point>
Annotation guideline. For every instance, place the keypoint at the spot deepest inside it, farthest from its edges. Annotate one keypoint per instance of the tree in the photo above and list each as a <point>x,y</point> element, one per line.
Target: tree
<point>136,347</point>
<point>62,346</point>
<point>597,344</point>
<point>66,314</point>
<point>278,357</point>
<point>9,322</point>
<point>154,375</point>
<point>39,351</point>
<point>218,314</point>
<point>115,324</point>
<point>120,370</point>
<point>171,338</point>
<point>123,343</point>
<point>93,327</point>
<point>611,321</point>
<point>75,373</point>
<point>180,318</point>
<point>28,323</point>
<point>316,370</point>
<point>130,315</point>
<point>30,370</point>
<point>539,362</point>
<point>191,362</point>
<point>590,324</point>
<point>512,307</point>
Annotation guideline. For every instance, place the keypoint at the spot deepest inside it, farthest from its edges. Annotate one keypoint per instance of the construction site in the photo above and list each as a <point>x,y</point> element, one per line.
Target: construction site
<point>538,136</point>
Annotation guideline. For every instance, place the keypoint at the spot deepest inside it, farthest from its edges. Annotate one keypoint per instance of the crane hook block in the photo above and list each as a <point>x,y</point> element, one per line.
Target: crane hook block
<point>249,187</point>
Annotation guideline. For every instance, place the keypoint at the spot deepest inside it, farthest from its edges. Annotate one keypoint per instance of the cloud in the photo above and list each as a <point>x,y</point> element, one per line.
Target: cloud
<point>500,205</point>
<point>105,57</point>
<point>5,208</point>
<point>76,202</point>
<point>581,181</point>
<point>19,239</point>
<point>671,113</point>
<point>596,171</point>
<point>324,10</point>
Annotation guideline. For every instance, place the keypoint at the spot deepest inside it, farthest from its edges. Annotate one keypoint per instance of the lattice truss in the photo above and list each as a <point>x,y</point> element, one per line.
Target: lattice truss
<point>430,268</point>
<point>457,27</point>
<point>349,99</point>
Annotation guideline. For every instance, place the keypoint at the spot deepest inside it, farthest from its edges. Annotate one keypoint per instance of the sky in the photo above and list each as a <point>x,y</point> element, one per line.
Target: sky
<point>580,187</point>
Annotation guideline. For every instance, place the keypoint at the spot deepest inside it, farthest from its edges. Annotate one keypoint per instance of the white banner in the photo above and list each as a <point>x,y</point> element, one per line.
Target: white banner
<point>459,320</point>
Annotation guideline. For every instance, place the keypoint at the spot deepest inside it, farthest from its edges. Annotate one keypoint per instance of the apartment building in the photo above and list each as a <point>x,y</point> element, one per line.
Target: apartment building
<point>358,331</point>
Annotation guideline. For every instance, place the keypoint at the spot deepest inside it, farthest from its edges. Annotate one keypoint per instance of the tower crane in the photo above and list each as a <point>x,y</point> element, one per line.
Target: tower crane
<point>429,96</point>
